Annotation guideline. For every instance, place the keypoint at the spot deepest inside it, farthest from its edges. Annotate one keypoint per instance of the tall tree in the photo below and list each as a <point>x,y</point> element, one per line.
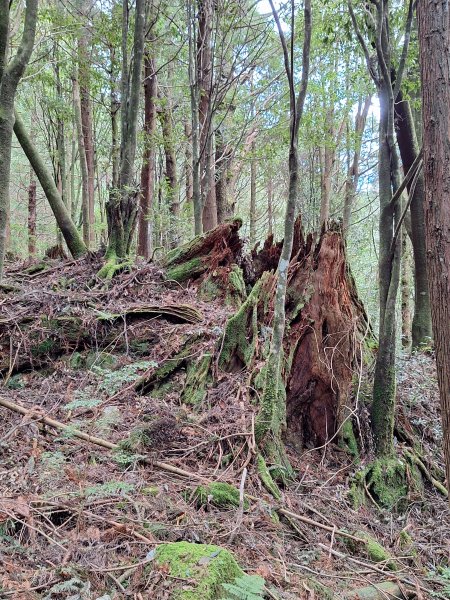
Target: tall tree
<point>272,415</point>
<point>122,203</point>
<point>381,69</point>
<point>434,41</point>
<point>10,74</point>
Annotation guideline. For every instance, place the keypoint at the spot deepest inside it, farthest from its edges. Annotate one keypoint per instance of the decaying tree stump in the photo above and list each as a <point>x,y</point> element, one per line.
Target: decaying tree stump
<point>326,322</point>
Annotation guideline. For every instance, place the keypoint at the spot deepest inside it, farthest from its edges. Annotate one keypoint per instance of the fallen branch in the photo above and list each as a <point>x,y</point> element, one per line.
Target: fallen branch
<point>35,415</point>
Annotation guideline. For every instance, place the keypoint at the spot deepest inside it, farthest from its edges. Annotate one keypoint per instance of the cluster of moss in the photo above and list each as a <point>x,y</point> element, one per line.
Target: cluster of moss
<point>222,495</point>
<point>198,570</point>
<point>389,482</point>
<point>373,549</point>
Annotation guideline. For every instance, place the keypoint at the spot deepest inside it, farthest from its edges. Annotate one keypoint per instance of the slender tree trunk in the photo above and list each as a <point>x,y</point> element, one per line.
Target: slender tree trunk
<point>32,216</point>
<point>195,131</point>
<point>70,233</point>
<point>434,52</point>
<point>122,206</point>
<point>223,171</point>
<point>145,227</point>
<point>384,386</point>
<point>272,416</point>
<point>83,164</point>
<point>10,75</point>
<point>252,239</point>
<point>85,102</point>
<point>406,292</point>
<point>114,117</point>
<point>351,183</point>
<point>204,77</point>
<point>170,176</point>
<point>409,149</point>
<point>188,162</point>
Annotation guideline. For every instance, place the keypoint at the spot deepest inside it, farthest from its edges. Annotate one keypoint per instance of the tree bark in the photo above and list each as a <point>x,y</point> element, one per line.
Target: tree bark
<point>351,183</point>
<point>83,163</point>
<point>434,52</point>
<point>32,216</point>
<point>409,149</point>
<point>204,78</point>
<point>145,227</point>
<point>170,175</point>
<point>122,207</point>
<point>68,229</point>
<point>10,75</point>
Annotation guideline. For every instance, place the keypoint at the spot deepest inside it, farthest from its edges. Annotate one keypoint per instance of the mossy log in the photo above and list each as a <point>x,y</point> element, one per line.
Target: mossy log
<point>217,250</point>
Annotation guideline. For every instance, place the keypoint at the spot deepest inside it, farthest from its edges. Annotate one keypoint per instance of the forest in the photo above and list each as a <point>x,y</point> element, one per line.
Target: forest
<point>224,299</point>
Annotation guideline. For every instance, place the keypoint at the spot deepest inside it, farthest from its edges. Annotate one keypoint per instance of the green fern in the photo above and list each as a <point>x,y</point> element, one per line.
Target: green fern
<point>246,587</point>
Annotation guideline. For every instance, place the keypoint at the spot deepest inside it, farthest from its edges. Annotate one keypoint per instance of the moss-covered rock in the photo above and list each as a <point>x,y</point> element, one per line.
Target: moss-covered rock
<point>389,482</point>
<point>198,570</point>
<point>222,495</point>
<point>347,439</point>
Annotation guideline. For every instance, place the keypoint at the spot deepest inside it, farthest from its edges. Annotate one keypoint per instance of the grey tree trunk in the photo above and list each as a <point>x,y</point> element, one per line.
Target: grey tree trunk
<point>68,229</point>
<point>122,206</point>
<point>10,75</point>
<point>409,150</point>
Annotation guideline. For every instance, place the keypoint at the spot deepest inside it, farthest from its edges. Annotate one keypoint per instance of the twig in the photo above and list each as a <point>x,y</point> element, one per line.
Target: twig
<point>240,512</point>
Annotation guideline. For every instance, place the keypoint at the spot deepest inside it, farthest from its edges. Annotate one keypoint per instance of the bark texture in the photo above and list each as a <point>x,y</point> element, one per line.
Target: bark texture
<point>434,44</point>
<point>10,75</point>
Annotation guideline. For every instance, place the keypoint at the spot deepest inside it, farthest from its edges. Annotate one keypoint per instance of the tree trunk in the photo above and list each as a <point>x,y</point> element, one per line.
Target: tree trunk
<point>409,149</point>
<point>170,175</point>
<point>121,207</point>
<point>32,216</point>
<point>252,238</point>
<point>384,386</point>
<point>145,227</point>
<point>434,51</point>
<point>188,162</point>
<point>68,229</point>
<point>86,118</point>
<point>351,183</point>
<point>204,78</point>
<point>10,75</point>
<point>406,292</point>
<point>83,164</point>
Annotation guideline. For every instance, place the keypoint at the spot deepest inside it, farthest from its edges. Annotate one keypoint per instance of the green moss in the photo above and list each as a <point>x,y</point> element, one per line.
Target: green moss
<point>186,270</point>
<point>236,292</point>
<point>371,548</point>
<point>388,481</point>
<point>151,490</point>
<point>197,377</point>
<point>198,570</point>
<point>241,332</point>
<point>112,266</point>
<point>348,439</point>
<point>266,477</point>
<point>222,495</point>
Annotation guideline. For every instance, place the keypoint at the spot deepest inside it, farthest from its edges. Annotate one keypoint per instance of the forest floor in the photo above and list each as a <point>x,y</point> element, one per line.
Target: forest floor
<point>81,520</point>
